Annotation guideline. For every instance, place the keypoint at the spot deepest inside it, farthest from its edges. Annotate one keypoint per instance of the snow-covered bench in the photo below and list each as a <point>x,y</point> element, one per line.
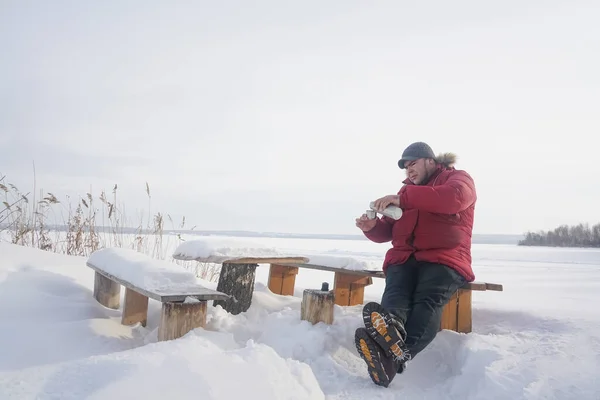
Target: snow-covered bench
<point>351,275</point>
<point>183,299</point>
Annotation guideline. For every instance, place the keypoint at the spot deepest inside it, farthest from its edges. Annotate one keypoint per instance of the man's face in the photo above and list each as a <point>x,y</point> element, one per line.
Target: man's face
<point>419,171</point>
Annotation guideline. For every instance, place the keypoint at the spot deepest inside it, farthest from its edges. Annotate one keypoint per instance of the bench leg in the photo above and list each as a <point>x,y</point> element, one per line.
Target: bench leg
<point>282,279</point>
<point>177,319</point>
<point>457,314</point>
<point>464,311</point>
<point>236,280</point>
<point>349,289</point>
<point>107,292</point>
<point>135,308</point>
<point>449,314</point>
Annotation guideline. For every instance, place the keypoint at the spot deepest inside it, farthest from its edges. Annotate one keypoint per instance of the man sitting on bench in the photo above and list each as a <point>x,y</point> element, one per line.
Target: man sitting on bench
<point>429,261</point>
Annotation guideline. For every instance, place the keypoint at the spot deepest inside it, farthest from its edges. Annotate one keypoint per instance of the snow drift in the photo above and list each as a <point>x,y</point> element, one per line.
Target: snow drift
<point>537,339</point>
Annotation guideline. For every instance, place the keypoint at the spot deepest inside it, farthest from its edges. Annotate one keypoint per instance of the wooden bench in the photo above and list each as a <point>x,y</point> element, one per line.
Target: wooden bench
<point>183,300</point>
<point>348,287</point>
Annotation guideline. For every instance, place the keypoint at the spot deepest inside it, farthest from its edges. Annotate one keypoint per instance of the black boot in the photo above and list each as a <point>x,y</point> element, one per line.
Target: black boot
<point>382,368</point>
<point>386,330</point>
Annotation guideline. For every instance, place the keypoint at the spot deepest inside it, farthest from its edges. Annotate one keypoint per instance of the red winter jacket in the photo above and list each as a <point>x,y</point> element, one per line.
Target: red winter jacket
<point>436,223</point>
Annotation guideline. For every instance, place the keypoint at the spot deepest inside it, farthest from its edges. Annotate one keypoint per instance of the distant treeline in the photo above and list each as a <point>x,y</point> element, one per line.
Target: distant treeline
<point>581,235</point>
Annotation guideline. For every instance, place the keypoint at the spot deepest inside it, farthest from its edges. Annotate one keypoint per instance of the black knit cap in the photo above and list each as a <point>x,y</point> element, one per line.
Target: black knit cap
<point>414,152</point>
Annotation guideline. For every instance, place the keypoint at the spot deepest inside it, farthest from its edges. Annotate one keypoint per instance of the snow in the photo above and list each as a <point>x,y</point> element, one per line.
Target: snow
<point>219,249</point>
<point>142,271</point>
<point>193,367</point>
<point>538,339</point>
<point>345,262</point>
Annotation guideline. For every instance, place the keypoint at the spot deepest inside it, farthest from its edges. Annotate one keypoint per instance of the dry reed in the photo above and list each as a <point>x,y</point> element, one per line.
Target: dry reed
<point>86,225</point>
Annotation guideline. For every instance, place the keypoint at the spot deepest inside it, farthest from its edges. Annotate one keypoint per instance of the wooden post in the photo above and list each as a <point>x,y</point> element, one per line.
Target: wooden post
<point>282,279</point>
<point>350,289</point>
<point>107,292</point>
<point>457,315</point>
<point>135,308</point>
<point>177,319</point>
<point>317,306</point>
<point>236,280</point>
<point>464,320</point>
<point>449,314</point>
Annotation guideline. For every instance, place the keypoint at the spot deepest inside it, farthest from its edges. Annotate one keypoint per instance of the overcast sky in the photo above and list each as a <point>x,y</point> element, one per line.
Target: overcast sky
<point>291,116</point>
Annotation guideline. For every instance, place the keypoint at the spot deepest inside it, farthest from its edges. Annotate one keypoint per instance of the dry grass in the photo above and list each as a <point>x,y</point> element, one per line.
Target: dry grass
<point>80,227</point>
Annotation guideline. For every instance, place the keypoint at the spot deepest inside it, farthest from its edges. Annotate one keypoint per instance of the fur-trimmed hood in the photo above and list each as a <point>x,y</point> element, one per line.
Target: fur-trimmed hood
<point>446,159</point>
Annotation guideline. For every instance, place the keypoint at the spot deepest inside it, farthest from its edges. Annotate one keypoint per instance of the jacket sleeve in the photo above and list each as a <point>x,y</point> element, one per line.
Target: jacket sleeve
<point>382,232</point>
<point>454,196</point>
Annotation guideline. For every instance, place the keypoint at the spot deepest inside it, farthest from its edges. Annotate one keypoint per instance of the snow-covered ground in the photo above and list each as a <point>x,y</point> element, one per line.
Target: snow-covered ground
<point>538,339</point>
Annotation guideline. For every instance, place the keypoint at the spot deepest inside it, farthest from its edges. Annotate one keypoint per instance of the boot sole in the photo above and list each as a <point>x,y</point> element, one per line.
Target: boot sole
<point>388,338</point>
<point>366,348</point>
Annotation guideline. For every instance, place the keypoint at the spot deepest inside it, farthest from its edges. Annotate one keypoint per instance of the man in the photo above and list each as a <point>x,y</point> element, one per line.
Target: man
<point>429,260</point>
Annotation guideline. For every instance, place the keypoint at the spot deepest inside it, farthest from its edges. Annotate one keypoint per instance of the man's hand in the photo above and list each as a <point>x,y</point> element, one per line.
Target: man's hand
<point>365,224</point>
<point>383,202</point>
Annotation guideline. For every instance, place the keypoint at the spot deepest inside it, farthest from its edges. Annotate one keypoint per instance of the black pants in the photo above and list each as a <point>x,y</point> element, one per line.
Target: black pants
<point>416,293</point>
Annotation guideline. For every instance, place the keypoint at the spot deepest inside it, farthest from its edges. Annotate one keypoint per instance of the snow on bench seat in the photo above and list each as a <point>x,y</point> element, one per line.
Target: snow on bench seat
<point>232,250</point>
<point>183,298</point>
<point>159,280</point>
